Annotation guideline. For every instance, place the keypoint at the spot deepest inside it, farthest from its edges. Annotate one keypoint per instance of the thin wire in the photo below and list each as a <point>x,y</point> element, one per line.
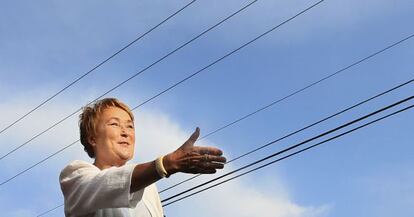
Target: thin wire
<point>50,210</point>
<point>133,76</point>
<point>96,67</point>
<point>151,97</point>
<point>302,129</point>
<point>31,167</point>
<point>291,95</point>
<point>209,65</point>
<point>232,52</point>
<point>294,146</point>
<point>280,152</point>
<point>312,84</point>
<point>39,134</point>
<point>292,154</point>
<point>237,121</point>
<point>229,54</point>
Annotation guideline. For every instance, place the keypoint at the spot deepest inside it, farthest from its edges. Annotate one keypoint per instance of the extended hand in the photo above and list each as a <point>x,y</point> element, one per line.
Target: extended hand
<point>194,159</point>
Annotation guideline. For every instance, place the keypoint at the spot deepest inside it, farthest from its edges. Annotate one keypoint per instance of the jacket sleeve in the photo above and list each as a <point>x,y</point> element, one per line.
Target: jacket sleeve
<point>87,189</point>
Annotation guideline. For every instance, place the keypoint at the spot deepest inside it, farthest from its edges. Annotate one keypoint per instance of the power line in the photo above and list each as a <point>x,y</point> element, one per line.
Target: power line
<point>34,165</point>
<point>50,210</point>
<point>96,67</point>
<point>188,77</point>
<point>213,63</point>
<point>312,84</point>
<point>57,152</point>
<point>293,94</point>
<point>300,130</point>
<point>300,144</point>
<point>205,136</point>
<point>130,78</point>
<point>292,154</point>
<point>232,52</point>
<point>176,84</point>
<point>292,147</point>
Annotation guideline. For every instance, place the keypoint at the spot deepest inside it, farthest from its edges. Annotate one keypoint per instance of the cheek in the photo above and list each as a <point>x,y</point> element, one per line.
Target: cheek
<point>133,142</point>
<point>132,136</point>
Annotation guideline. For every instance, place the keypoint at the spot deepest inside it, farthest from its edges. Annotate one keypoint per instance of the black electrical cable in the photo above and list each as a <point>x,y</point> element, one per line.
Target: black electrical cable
<point>34,165</point>
<point>291,95</point>
<point>96,67</point>
<point>369,57</point>
<point>288,135</point>
<point>211,64</point>
<point>273,103</point>
<point>231,53</point>
<point>301,129</point>
<point>312,84</point>
<point>286,21</point>
<point>158,93</point>
<point>50,210</point>
<point>133,76</point>
<point>292,154</point>
<point>294,146</point>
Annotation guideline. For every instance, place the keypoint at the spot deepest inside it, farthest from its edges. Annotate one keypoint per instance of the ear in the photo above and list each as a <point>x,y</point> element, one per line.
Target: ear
<point>91,141</point>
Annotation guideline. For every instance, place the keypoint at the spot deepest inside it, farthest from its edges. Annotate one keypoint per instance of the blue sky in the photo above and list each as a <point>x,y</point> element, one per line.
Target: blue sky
<point>45,45</point>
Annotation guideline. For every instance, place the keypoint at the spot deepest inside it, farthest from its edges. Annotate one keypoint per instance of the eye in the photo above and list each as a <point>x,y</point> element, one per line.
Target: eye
<point>130,126</point>
<point>114,124</point>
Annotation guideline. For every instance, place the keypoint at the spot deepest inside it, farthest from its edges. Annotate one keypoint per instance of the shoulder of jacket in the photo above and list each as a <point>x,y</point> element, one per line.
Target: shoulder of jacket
<point>74,166</point>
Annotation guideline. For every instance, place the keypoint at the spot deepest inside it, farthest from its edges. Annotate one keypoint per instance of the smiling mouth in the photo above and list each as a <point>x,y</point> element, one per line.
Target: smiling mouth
<point>124,143</point>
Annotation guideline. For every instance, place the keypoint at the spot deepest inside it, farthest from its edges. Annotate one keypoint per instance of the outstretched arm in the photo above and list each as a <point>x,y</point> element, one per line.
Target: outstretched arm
<point>187,159</point>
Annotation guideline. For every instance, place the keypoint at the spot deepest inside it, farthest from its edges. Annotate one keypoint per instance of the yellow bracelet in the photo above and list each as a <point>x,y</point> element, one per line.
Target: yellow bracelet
<point>159,166</point>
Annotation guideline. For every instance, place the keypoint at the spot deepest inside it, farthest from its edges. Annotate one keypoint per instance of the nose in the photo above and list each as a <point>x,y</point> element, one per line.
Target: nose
<point>124,131</point>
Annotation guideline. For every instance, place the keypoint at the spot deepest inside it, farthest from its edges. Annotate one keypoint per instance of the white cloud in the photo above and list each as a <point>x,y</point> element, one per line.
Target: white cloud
<point>157,134</point>
<point>22,213</point>
<point>38,121</point>
<point>238,199</point>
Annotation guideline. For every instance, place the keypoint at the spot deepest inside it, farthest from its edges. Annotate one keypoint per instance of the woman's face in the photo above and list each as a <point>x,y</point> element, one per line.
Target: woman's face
<point>115,137</point>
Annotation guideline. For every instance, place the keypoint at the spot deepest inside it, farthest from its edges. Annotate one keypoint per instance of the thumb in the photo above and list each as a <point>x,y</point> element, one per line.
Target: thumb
<point>193,138</point>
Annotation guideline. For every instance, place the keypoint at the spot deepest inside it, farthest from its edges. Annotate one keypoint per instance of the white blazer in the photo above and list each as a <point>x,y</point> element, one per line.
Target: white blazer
<point>89,191</point>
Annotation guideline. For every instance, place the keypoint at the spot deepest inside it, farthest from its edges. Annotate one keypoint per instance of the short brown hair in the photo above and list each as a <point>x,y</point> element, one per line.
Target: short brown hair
<point>90,117</point>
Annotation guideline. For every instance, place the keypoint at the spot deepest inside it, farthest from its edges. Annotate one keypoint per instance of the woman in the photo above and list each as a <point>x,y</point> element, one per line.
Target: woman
<point>109,187</point>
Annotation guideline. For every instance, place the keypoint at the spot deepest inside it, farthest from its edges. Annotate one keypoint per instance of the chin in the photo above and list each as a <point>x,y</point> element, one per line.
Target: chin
<point>126,157</point>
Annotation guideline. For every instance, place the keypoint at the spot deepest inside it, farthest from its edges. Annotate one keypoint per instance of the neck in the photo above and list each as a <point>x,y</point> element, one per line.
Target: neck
<point>104,165</point>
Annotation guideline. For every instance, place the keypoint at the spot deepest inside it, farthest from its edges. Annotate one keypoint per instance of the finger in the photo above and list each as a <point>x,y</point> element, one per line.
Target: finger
<point>193,138</point>
<point>190,162</point>
<point>205,157</point>
<point>207,171</point>
<point>218,159</point>
<point>210,158</point>
<point>200,170</point>
<point>208,150</point>
<point>211,165</point>
<point>195,135</point>
<point>194,158</point>
<point>196,164</point>
<point>192,170</point>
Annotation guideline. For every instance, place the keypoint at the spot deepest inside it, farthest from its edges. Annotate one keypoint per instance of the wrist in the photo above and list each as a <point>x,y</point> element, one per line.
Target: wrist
<point>169,164</point>
<point>159,167</point>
